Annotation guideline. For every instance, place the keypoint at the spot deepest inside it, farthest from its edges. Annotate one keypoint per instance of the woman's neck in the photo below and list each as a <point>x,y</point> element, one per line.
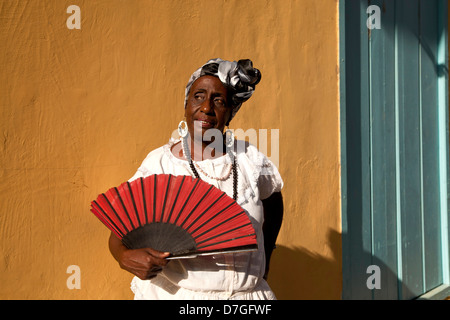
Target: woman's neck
<point>198,150</point>
<point>202,150</point>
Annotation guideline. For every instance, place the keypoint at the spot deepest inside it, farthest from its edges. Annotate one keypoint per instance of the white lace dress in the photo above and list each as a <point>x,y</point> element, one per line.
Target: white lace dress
<point>221,276</point>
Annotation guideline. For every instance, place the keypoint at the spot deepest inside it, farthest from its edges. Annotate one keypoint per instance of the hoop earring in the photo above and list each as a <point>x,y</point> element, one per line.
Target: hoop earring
<point>183,129</point>
<point>229,138</point>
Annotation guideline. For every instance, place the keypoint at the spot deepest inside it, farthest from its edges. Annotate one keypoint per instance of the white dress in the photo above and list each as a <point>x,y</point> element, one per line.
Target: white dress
<point>221,276</point>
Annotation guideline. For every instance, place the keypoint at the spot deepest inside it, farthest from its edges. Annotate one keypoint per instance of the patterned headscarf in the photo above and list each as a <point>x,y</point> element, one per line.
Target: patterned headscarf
<point>240,79</point>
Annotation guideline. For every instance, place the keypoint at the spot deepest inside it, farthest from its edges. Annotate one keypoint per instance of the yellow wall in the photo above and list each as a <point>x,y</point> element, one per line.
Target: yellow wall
<point>80,109</point>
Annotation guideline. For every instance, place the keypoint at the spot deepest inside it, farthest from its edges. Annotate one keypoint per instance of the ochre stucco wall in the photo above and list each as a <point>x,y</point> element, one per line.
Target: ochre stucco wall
<point>80,109</point>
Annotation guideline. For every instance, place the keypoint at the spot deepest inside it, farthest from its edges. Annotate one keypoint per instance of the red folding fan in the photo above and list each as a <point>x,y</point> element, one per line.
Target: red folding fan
<point>176,214</point>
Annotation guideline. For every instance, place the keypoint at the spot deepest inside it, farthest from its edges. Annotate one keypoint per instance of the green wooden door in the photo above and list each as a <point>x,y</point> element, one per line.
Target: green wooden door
<point>394,139</point>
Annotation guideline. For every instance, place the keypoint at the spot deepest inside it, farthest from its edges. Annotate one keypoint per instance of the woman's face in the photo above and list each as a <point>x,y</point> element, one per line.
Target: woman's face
<point>207,106</point>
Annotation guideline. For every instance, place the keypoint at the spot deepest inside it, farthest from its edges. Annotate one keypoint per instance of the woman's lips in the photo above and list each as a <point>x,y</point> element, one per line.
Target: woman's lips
<point>204,124</point>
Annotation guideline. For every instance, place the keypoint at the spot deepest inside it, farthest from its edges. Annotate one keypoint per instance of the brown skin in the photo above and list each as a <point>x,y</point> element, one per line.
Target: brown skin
<point>144,263</point>
<point>207,101</point>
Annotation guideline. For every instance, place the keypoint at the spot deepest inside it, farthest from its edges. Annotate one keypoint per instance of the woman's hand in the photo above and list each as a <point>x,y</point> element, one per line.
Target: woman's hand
<point>144,263</point>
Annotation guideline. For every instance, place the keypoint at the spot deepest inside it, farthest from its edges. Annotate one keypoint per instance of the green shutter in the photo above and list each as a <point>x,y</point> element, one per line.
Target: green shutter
<point>394,131</point>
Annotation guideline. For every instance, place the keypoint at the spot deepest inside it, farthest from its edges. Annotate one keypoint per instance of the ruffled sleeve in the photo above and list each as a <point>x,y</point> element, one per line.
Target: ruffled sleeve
<point>270,180</point>
<point>263,174</point>
<point>152,164</point>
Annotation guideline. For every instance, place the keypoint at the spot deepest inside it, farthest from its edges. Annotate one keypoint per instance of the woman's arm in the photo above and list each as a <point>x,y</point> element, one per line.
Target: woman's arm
<point>144,263</point>
<point>273,217</point>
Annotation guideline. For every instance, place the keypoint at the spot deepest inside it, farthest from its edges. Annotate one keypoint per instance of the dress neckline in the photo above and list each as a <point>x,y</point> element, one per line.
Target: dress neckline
<point>167,150</point>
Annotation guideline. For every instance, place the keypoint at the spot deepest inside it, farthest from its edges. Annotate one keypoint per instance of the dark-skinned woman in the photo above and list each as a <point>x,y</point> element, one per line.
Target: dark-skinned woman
<point>205,150</point>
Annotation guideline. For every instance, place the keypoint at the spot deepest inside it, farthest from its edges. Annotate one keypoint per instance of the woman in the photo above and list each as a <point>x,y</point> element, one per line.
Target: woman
<point>214,94</point>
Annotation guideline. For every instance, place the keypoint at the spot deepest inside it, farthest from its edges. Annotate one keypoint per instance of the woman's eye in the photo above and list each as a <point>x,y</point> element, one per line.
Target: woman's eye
<point>220,102</point>
<point>198,97</point>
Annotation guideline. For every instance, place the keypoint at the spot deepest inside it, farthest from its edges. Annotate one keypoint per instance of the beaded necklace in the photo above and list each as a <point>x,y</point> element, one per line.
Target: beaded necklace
<point>187,155</point>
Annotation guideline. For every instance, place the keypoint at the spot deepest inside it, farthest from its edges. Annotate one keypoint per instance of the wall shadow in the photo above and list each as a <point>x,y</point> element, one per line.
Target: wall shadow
<point>300,274</point>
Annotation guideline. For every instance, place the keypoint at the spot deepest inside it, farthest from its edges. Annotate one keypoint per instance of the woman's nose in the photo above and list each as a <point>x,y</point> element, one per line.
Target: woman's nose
<point>207,105</point>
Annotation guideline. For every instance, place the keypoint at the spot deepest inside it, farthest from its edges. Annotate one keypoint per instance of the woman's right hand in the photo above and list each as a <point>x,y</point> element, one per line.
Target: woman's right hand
<point>144,263</point>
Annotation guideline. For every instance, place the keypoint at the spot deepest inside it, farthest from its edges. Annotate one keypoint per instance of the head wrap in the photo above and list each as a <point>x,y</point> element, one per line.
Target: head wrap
<point>240,79</point>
